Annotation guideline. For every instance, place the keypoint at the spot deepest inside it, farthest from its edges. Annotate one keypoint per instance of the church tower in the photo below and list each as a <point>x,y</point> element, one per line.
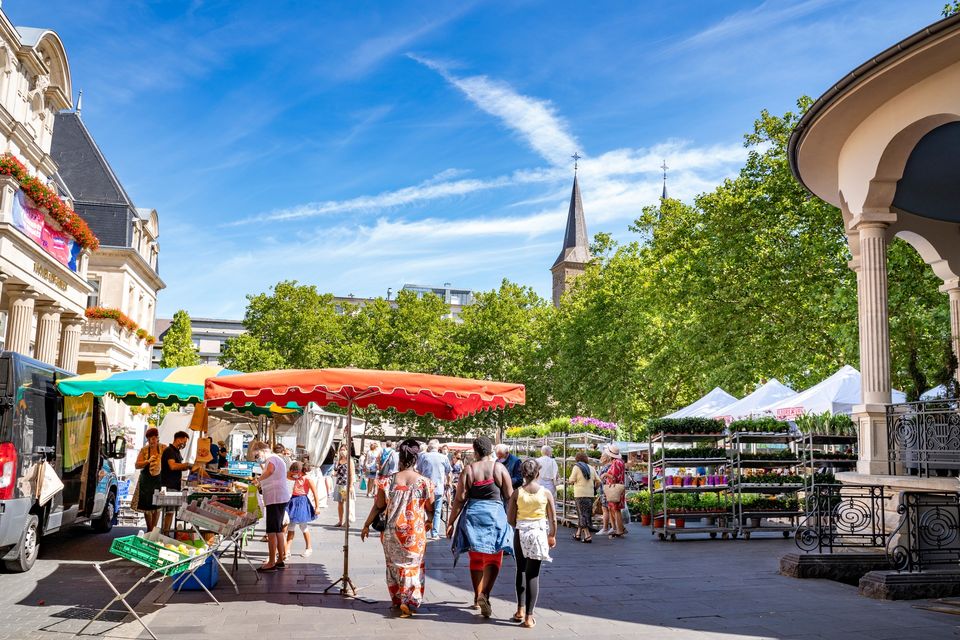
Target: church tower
<point>575,254</point>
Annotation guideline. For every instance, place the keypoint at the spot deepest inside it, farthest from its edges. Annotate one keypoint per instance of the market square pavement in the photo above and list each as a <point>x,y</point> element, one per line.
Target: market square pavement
<point>694,588</point>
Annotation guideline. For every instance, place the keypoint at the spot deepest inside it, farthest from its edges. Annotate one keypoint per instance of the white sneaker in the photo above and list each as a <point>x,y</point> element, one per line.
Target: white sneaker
<point>308,553</point>
<point>604,532</point>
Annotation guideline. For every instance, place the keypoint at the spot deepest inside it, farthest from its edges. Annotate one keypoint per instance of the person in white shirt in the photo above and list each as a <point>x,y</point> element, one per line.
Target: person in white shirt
<point>549,471</point>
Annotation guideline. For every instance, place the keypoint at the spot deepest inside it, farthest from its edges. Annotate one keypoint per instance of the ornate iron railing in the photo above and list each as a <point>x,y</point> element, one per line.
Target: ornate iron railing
<point>928,536</point>
<point>843,516</point>
<point>923,438</point>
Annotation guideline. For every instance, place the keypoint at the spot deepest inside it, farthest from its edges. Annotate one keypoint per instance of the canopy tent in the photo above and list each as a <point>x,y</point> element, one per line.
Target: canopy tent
<point>753,404</point>
<point>937,393</point>
<point>179,385</point>
<point>713,402</point>
<point>837,394</point>
<point>444,397</point>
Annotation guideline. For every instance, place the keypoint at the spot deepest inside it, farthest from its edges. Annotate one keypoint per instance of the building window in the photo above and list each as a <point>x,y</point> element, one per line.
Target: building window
<point>93,298</point>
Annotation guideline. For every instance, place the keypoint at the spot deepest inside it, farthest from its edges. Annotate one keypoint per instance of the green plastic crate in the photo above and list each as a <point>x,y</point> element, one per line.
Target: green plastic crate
<point>149,554</point>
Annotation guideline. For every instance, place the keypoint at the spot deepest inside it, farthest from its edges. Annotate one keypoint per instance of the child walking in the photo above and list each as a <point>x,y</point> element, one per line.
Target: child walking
<point>533,515</point>
<point>300,510</point>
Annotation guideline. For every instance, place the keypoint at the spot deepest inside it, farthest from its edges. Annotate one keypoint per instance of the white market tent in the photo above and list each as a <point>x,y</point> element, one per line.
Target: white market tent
<point>938,392</point>
<point>837,394</point>
<point>714,401</point>
<point>755,403</point>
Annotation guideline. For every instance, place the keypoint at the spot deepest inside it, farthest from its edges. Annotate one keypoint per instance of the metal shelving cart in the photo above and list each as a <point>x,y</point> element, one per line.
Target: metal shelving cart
<point>818,455</point>
<point>749,518</point>
<point>718,519</point>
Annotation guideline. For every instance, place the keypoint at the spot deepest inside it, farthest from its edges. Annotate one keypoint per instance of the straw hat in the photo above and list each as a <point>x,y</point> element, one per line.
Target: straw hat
<point>613,451</point>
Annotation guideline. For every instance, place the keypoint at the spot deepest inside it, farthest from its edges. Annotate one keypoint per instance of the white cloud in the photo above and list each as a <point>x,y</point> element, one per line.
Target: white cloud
<point>743,23</point>
<point>535,120</point>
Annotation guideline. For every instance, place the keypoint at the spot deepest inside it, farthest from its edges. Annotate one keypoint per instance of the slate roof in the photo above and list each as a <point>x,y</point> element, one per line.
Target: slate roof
<point>97,193</point>
<point>82,165</point>
<point>576,247</point>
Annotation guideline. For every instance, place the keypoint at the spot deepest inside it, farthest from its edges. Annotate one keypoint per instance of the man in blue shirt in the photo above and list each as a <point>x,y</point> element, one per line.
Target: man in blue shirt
<point>435,466</point>
<point>511,462</point>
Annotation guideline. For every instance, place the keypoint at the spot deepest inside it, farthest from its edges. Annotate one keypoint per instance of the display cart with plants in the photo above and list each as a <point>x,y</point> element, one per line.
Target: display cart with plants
<point>828,443</point>
<point>675,496</point>
<point>764,483</point>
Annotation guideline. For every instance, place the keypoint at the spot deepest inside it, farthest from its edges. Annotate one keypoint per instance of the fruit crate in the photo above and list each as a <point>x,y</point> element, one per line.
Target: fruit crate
<point>153,555</point>
<point>229,498</point>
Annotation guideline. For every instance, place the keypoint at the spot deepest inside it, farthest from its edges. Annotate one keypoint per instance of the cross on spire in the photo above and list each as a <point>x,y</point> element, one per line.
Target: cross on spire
<point>576,160</point>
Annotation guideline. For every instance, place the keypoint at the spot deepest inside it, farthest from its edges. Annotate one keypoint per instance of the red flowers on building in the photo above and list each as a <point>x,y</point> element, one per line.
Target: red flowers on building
<point>45,198</point>
<point>122,319</point>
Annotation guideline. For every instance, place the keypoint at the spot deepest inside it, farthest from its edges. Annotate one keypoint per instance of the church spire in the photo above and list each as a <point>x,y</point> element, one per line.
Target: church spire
<point>664,166</point>
<point>575,253</point>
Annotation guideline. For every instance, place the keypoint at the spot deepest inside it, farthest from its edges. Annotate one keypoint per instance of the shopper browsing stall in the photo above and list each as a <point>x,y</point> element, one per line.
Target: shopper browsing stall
<point>276,495</point>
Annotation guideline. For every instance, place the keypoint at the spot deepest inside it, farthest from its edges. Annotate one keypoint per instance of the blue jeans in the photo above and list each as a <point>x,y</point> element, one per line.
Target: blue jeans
<point>437,510</point>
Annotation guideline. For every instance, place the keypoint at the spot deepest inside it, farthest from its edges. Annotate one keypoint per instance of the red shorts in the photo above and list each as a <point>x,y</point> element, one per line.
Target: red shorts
<point>480,560</point>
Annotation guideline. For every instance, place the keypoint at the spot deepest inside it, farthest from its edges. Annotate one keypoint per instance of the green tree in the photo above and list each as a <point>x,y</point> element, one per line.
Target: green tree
<point>178,349</point>
<point>293,326</point>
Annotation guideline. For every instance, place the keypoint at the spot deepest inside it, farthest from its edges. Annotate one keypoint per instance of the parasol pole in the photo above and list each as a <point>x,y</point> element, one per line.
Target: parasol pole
<point>347,588</point>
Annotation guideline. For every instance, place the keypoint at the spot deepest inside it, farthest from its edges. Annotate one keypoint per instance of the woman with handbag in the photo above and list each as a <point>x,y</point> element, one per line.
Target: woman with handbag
<point>148,462</point>
<point>401,513</point>
<point>584,480</point>
<point>615,489</point>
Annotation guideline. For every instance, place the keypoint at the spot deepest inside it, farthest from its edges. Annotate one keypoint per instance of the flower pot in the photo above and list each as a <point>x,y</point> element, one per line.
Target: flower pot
<point>658,523</point>
<point>645,519</point>
<point>679,523</point>
<point>754,522</point>
<point>709,521</point>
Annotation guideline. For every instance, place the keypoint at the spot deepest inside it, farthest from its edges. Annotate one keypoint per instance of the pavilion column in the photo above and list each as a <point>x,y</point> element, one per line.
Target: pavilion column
<point>20,319</point>
<point>952,290</point>
<point>48,333</point>
<point>871,268</point>
<point>70,342</point>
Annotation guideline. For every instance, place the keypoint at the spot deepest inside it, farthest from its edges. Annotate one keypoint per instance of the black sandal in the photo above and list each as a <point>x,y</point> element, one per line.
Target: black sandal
<point>587,540</point>
<point>577,538</point>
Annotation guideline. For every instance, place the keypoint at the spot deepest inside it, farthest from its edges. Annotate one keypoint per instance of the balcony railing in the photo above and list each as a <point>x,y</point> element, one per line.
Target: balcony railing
<point>843,516</point>
<point>923,438</point>
<point>928,536</point>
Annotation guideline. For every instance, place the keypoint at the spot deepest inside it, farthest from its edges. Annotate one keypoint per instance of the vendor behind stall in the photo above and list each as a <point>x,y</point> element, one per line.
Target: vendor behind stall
<point>173,466</point>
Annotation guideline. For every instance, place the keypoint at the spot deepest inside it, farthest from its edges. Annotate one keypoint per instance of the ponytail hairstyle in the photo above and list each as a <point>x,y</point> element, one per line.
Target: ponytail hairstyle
<point>529,470</point>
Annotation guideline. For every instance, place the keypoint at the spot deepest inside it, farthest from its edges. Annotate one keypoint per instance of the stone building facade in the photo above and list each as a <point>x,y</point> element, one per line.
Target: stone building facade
<point>43,293</point>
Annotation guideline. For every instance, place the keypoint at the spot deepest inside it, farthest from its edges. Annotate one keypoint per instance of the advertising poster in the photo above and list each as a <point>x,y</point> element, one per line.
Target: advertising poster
<point>34,223</point>
<point>77,428</point>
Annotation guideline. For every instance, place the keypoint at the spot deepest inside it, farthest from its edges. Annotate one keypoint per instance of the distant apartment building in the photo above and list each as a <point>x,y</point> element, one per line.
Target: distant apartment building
<point>208,335</point>
<point>456,299</point>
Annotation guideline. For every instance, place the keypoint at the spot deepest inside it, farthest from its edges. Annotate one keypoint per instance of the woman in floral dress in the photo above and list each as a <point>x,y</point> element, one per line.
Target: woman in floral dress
<point>407,506</point>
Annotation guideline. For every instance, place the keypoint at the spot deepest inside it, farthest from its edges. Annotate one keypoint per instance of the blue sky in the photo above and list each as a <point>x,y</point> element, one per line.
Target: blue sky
<point>362,145</point>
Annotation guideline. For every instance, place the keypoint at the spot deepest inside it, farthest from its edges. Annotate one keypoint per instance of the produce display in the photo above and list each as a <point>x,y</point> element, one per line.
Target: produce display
<point>684,426</point>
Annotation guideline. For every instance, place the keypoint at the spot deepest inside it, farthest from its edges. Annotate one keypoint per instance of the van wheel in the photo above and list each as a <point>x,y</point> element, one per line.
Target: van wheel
<point>104,523</point>
<point>28,549</point>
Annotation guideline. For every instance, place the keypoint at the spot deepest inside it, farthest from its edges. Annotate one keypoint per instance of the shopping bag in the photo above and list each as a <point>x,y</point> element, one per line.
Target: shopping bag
<point>363,484</point>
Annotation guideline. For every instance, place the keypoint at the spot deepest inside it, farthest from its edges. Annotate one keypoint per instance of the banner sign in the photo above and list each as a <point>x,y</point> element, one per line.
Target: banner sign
<point>35,224</point>
<point>789,413</point>
<point>77,428</point>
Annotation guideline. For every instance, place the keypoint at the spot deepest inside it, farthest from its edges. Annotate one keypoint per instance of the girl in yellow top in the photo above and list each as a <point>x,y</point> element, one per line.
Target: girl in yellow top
<point>533,514</point>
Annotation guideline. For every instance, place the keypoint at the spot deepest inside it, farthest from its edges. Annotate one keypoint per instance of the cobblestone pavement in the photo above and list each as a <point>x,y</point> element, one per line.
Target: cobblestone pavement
<point>635,587</point>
